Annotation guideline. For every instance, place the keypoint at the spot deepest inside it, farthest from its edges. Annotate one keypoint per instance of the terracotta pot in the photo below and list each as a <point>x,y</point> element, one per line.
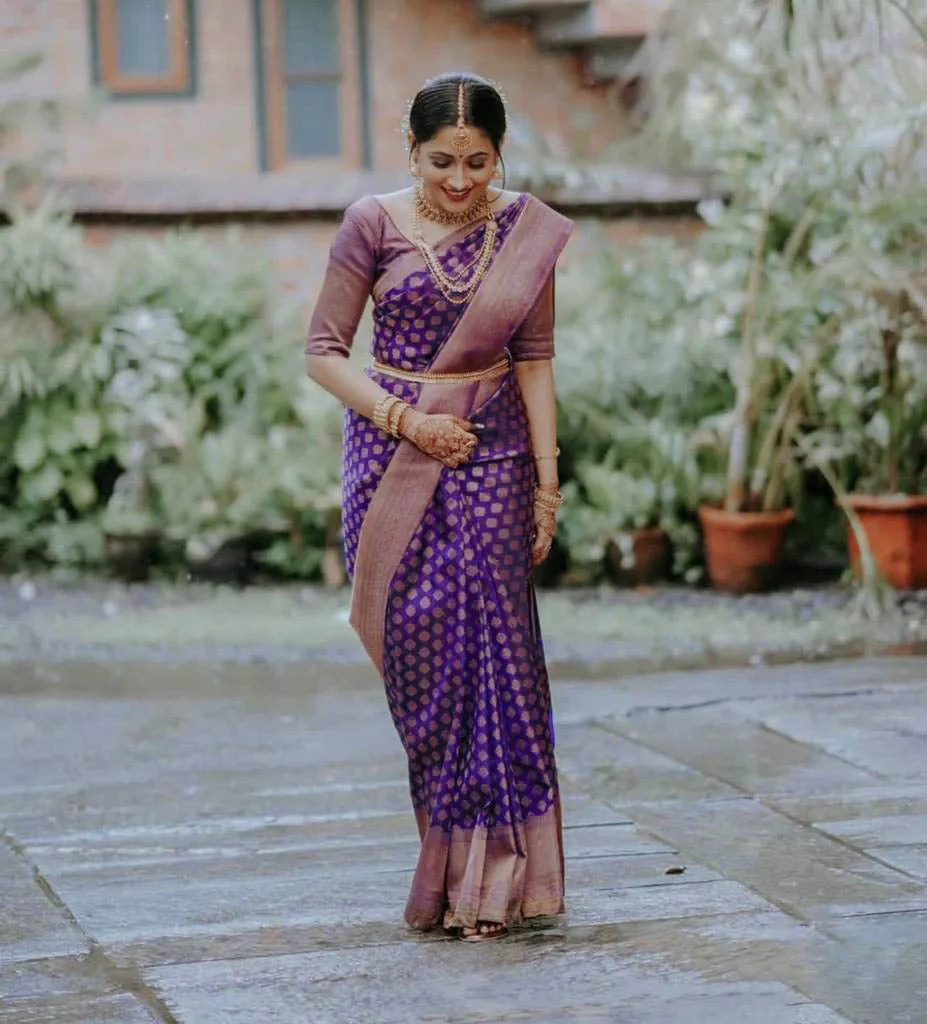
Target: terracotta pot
<point>896,528</point>
<point>230,563</point>
<point>130,555</point>
<point>652,555</point>
<point>743,549</point>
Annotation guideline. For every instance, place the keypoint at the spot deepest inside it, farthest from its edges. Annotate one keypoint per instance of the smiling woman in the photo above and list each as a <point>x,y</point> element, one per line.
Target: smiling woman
<point>450,495</point>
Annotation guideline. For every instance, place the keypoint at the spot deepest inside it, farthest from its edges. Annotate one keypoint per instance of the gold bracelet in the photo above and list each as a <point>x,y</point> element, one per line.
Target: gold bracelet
<point>394,417</point>
<point>378,410</point>
<point>381,412</point>
<point>548,500</point>
<point>390,417</point>
<point>546,458</point>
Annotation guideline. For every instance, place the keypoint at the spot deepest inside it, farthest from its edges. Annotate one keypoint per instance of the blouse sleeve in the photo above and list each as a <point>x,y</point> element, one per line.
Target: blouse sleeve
<point>346,287</point>
<point>534,339</point>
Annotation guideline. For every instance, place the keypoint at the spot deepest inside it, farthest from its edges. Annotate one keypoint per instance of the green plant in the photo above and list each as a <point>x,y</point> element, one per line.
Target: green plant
<point>221,488</point>
<point>27,120</point>
<point>650,477</point>
<point>811,115</point>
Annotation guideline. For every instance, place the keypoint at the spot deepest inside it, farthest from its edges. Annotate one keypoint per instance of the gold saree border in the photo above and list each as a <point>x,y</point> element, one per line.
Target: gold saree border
<point>503,300</point>
<point>505,874</point>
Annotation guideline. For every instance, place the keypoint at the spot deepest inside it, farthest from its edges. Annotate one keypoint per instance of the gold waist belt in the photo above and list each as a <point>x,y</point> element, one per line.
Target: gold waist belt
<point>498,369</point>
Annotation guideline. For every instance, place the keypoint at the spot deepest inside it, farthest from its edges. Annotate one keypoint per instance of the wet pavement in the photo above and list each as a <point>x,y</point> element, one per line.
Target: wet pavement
<point>233,845</point>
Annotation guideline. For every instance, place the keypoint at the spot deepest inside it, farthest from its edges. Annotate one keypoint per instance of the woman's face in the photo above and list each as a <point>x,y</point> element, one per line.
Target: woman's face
<point>453,181</point>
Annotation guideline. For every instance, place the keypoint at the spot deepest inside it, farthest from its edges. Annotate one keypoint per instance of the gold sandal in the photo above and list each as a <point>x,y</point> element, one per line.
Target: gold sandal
<point>485,931</point>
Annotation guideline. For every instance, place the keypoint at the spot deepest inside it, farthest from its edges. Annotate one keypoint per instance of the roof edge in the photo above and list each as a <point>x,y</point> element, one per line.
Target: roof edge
<point>611,192</point>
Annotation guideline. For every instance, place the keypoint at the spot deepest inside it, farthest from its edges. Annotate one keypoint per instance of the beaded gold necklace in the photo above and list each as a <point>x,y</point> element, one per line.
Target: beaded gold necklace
<point>427,210</point>
<point>462,286</point>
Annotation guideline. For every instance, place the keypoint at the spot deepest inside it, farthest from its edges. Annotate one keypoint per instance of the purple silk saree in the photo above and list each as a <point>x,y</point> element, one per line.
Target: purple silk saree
<point>440,558</point>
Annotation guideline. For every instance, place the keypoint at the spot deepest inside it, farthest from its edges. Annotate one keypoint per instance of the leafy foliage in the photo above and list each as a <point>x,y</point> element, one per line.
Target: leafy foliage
<point>790,335</point>
<point>154,389</point>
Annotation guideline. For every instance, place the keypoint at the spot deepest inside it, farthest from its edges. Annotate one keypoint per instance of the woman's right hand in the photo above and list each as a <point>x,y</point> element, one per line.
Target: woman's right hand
<point>444,437</point>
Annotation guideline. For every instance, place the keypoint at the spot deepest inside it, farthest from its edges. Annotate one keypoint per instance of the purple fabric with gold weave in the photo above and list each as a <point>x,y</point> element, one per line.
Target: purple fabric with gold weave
<point>463,663</point>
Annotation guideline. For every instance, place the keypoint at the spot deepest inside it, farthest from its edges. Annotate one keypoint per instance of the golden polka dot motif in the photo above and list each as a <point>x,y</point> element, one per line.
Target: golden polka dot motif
<point>464,669</point>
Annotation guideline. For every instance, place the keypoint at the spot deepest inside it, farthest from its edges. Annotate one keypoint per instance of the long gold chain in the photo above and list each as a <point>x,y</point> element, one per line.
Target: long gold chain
<point>454,288</point>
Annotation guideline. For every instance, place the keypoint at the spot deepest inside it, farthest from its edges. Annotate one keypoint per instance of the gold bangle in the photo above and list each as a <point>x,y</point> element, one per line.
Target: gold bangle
<point>394,416</point>
<point>545,458</point>
<point>548,500</point>
<point>381,412</point>
<point>376,415</point>
<point>402,415</point>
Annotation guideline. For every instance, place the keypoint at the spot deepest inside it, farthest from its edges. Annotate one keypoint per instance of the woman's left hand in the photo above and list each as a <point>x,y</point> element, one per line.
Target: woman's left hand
<point>545,529</point>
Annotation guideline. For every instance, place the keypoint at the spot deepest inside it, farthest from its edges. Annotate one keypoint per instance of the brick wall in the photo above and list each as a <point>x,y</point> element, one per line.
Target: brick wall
<point>214,136</point>
<point>216,131</point>
<point>411,40</point>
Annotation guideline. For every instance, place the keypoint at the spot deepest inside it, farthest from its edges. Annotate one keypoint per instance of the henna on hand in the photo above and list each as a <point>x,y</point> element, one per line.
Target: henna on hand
<point>545,529</point>
<point>443,436</point>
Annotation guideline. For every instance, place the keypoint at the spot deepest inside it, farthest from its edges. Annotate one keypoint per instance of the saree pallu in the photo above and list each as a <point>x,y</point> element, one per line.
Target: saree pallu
<point>442,593</point>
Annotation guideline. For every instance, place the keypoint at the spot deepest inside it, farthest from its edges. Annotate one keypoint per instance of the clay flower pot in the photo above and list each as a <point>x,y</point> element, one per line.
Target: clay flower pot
<point>896,528</point>
<point>743,549</point>
<point>130,555</point>
<point>652,556</point>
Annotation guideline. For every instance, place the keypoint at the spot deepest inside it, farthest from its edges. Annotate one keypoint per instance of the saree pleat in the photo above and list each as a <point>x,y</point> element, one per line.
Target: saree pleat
<point>462,659</point>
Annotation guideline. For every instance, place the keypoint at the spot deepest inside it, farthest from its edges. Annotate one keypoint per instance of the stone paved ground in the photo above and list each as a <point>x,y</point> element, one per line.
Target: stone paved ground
<point>232,845</point>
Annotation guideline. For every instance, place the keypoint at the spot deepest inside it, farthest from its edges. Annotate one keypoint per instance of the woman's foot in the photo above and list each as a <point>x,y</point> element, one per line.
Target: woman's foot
<point>483,931</point>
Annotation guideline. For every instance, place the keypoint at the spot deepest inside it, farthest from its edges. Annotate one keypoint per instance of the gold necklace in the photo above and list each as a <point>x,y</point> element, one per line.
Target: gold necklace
<point>455,289</point>
<point>427,210</point>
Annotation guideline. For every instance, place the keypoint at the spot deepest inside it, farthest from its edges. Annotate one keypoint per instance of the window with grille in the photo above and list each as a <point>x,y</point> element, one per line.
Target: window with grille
<point>144,46</point>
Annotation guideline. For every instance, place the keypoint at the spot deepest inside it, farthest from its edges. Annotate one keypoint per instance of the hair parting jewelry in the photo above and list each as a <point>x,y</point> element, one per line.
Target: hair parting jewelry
<point>462,138</point>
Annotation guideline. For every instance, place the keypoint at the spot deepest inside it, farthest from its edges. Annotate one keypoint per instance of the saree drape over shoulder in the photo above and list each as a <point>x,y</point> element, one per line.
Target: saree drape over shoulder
<point>440,558</point>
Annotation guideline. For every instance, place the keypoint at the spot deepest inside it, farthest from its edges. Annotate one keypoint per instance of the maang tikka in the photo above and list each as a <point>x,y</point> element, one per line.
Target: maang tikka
<point>462,139</point>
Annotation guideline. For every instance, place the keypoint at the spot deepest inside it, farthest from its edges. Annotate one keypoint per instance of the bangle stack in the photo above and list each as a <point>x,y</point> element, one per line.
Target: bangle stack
<point>388,415</point>
<point>550,501</point>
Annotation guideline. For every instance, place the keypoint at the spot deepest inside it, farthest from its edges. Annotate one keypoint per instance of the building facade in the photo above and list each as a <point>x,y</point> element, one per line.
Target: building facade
<point>278,113</point>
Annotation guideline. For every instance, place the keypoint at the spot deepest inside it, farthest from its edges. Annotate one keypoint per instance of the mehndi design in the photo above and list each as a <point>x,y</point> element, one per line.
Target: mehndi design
<point>443,437</point>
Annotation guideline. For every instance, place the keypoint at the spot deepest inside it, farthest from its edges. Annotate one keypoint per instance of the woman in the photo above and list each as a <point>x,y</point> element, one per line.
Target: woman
<point>450,495</point>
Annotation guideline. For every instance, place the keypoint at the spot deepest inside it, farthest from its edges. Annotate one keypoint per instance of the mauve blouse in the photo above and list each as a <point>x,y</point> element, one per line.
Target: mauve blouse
<point>366,244</point>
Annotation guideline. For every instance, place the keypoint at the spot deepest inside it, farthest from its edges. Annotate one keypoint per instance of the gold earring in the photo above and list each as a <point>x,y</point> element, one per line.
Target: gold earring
<point>497,174</point>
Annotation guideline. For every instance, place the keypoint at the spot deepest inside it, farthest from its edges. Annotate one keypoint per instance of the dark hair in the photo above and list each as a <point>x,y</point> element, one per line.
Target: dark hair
<point>435,107</point>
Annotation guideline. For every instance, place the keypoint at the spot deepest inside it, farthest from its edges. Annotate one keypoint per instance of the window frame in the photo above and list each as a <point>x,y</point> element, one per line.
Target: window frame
<point>179,79</point>
<point>273,79</point>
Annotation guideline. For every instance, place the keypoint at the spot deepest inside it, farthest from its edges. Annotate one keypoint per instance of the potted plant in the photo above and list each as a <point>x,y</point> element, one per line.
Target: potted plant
<point>757,443</point>
<point>872,439</point>
<point>611,521</point>
<point>801,153</point>
<point>307,469</point>
<point>130,528</point>
<point>624,518</point>
<point>218,494</point>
